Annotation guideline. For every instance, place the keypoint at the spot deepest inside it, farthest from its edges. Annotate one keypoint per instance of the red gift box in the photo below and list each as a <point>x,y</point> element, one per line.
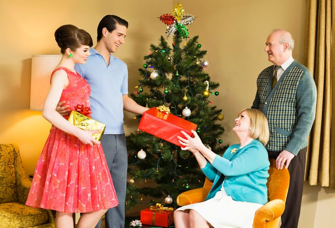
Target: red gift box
<point>156,217</point>
<point>165,126</point>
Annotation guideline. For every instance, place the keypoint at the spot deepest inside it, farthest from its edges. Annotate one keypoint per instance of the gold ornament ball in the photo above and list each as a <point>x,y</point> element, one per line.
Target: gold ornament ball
<point>220,117</point>
<point>206,93</point>
<point>168,199</point>
<point>185,98</point>
<point>132,181</point>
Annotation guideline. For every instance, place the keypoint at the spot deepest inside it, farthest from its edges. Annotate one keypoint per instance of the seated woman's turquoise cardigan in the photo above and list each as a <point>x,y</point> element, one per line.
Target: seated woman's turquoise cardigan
<point>244,172</point>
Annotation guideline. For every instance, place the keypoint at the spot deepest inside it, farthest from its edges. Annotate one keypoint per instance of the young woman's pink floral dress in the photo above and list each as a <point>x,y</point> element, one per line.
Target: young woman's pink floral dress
<point>71,176</point>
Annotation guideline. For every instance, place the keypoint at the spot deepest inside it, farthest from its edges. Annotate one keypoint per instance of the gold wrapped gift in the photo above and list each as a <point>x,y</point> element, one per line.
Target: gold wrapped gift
<point>87,123</point>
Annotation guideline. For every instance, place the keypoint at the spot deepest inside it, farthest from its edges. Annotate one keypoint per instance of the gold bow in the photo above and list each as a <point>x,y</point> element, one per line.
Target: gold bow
<point>160,207</point>
<point>164,108</point>
<point>178,12</point>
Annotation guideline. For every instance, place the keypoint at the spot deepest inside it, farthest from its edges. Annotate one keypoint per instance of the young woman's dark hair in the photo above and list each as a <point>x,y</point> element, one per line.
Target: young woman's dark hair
<point>109,22</point>
<point>69,36</point>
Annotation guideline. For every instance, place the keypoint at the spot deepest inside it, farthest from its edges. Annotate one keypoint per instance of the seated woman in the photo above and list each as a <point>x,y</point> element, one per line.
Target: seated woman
<point>239,176</point>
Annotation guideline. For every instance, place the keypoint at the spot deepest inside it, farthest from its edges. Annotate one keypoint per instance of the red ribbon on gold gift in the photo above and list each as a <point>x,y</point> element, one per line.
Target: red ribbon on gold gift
<point>86,111</point>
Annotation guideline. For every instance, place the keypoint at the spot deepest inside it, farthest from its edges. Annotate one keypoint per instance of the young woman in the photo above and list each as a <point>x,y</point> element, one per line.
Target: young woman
<point>71,175</point>
<point>239,176</point>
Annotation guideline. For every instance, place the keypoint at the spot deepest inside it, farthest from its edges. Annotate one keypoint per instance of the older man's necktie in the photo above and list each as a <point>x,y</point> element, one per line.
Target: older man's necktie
<point>274,79</point>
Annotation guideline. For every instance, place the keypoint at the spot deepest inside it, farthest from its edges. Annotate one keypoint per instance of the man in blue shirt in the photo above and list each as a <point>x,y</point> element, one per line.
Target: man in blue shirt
<point>108,77</point>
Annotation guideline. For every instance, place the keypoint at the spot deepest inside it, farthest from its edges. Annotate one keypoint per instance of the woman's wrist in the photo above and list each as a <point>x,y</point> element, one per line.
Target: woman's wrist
<point>196,152</point>
<point>202,148</point>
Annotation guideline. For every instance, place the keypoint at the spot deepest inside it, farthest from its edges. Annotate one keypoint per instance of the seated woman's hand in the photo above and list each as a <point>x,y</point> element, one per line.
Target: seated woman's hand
<point>192,144</point>
<point>192,150</point>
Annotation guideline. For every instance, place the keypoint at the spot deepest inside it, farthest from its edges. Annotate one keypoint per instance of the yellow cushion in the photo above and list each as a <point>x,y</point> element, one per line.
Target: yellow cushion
<point>14,215</point>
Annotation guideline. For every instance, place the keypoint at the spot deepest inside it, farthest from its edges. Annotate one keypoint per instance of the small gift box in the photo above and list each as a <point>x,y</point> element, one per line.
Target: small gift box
<point>165,125</point>
<point>87,123</point>
<point>157,216</point>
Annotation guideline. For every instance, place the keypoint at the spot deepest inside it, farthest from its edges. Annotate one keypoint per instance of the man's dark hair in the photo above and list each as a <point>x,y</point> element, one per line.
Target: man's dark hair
<point>109,22</point>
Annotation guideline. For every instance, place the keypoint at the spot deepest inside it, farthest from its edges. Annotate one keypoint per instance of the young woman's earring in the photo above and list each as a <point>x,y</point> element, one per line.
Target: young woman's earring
<point>70,55</point>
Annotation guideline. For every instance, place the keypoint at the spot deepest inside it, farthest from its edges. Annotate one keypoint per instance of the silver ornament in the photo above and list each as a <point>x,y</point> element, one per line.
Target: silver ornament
<point>154,75</point>
<point>168,199</point>
<point>187,19</point>
<point>171,29</point>
<point>205,63</point>
<point>186,112</point>
<point>141,154</point>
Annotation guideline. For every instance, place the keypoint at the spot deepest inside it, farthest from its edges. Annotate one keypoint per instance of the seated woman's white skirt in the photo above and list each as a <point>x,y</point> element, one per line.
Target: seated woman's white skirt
<point>224,212</point>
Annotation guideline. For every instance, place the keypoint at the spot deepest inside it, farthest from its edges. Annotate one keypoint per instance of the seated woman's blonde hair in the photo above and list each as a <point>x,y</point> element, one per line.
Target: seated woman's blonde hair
<point>259,128</point>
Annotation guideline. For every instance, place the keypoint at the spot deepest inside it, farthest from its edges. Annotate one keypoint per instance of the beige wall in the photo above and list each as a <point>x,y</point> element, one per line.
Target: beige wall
<point>27,29</point>
<point>232,31</point>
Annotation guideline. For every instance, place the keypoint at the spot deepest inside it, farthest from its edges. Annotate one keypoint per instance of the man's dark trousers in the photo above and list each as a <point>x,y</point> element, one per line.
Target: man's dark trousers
<point>117,160</point>
<point>290,218</point>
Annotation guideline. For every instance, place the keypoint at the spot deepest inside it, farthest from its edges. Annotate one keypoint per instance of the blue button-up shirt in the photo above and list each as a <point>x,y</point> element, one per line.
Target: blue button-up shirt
<point>108,84</point>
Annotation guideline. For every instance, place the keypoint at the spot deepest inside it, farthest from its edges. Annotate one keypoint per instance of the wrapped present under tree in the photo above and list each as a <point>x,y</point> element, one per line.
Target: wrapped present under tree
<point>157,215</point>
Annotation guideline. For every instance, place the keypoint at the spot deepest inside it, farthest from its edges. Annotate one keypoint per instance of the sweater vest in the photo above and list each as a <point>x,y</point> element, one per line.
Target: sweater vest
<point>279,105</point>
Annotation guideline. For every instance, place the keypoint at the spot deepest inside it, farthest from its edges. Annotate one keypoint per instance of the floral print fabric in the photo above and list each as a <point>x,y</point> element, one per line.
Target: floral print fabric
<point>70,176</point>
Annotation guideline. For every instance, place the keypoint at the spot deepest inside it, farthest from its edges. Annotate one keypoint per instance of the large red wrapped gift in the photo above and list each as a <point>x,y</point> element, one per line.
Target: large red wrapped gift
<point>157,216</point>
<point>165,125</point>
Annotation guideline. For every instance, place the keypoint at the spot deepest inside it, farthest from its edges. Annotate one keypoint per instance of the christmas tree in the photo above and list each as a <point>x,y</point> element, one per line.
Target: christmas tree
<point>174,77</point>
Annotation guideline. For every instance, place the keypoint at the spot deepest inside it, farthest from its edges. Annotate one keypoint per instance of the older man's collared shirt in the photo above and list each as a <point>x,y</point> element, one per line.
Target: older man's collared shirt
<point>283,67</point>
<point>108,84</point>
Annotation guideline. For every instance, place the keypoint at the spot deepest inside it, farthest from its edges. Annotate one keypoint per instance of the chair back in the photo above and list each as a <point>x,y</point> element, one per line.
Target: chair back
<point>8,191</point>
<point>278,182</point>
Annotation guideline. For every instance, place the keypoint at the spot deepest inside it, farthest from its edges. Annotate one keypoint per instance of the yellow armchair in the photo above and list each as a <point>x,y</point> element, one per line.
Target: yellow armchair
<point>14,190</point>
<point>268,216</point>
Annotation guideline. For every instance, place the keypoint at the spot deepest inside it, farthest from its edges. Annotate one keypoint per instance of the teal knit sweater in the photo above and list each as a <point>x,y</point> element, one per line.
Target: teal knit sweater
<point>244,172</point>
<point>289,107</point>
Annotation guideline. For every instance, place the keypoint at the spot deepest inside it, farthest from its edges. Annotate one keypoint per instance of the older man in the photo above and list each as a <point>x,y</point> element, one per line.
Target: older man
<point>286,94</point>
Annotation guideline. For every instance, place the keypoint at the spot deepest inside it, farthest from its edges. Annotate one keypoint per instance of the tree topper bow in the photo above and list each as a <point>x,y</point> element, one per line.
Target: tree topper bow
<point>177,21</point>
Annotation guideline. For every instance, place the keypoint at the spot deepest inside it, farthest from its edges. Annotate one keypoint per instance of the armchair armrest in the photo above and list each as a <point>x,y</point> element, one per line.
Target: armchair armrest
<point>192,196</point>
<point>23,182</point>
<point>269,213</point>
<point>195,195</point>
<point>23,189</point>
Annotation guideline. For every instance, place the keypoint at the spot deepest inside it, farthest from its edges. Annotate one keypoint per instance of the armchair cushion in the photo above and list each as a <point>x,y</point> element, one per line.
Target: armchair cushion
<point>18,215</point>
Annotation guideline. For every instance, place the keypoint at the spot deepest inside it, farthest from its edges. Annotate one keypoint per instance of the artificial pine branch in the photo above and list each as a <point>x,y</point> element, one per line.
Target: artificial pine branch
<point>169,169</point>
